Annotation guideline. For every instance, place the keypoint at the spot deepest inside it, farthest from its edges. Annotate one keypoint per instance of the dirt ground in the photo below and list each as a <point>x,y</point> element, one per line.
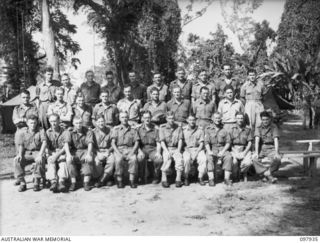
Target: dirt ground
<point>291,207</point>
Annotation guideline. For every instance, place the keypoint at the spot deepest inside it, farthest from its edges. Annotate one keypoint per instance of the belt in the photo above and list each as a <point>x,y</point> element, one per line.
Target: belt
<point>253,100</point>
<point>268,144</point>
<point>205,119</point>
<point>124,146</point>
<point>229,122</point>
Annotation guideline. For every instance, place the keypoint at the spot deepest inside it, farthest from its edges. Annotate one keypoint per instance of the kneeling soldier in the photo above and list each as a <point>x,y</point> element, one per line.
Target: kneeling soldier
<point>217,142</point>
<point>57,138</point>
<point>125,142</point>
<point>241,139</point>
<point>266,157</point>
<point>171,139</point>
<point>31,142</point>
<point>193,151</point>
<point>104,160</point>
<point>80,152</point>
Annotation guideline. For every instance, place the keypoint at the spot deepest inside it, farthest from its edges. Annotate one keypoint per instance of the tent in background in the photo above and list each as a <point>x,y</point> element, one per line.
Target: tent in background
<point>6,110</point>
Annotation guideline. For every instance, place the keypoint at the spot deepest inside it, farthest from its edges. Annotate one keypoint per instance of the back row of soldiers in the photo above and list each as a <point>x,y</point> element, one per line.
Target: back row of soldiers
<point>82,134</point>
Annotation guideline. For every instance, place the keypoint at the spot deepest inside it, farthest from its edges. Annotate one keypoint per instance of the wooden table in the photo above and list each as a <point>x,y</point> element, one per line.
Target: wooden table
<point>309,158</point>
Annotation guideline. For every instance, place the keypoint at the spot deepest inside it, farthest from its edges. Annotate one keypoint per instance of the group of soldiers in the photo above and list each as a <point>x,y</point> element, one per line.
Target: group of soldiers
<point>102,135</point>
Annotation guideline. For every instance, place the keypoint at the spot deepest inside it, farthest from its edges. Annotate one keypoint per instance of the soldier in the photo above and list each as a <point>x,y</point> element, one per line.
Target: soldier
<point>82,110</point>
<point>203,81</point>
<point>139,91</point>
<point>104,160</point>
<point>113,88</point>
<point>229,107</point>
<point>183,83</point>
<point>79,152</point>
<point>57,138</point>
<point>217,142</point>
<point>179,106</point>
<point>158,83</point>
<point>70,91</point>
<point>204,108</point>
<point>171,139</point>
<point>150,151</point>
<point>45,94</point>
<point>31,142</point>
<point>62,108</point>
<point>106,109</point>
<point>90,89</point>
<point>266,158</point>
<point>194,150</point>
<point>252,93</point>
<point>130,105</point>
<point>156,107</point>
<point>241,140</point>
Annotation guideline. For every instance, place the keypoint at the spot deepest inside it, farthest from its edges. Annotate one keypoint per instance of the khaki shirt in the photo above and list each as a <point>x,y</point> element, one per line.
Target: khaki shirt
<point>139,92</point>
<point>70,94</point>
<point>91,92</point>
<point>64,111</point>
<point>21,112</point>
<point>267,134</point>
<point>229,109</point>
<point>223,82</point>
<point>31,141</point>
<point>186,88</point>
<point>132,107</point>
<point>196,90</point>
<point>170,135</point>
<point>158,111</point>
<point>204,109</point>
<point>250,91</point>
<point>216,136</point>
<point>193,137</point>
<point>241,135</point>
<point>163,92</point>
<point>85,113</point>
<point>114,93</point>
<point>148,137</point>
<point>110,113</point>
<point>102,138</point>
<point>124,136</point>
<point>56,140</point>
<point>46,93</point>
<point>81,139</point>
<point>181,110</point>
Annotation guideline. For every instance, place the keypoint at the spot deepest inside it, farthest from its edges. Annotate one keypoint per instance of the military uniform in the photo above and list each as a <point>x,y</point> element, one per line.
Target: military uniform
<point>197,87</point>
<point>223,82</point>
<point>114,93</point>
<point>158,111</point>
<point>139,92</point>
<point>70,93</point>
<point>181,110</point>
<point>171,137</point>
<point>110,113</point>
<point>85,113</point>
<point>266,158</point>
<point>91,93</point>
<point>163,92</point>
<point>193,138</point>
<point>203,111</point>
<point>64,110</point>
<point>132,107</point>
<point>228,109</point>
<point>186,88</point>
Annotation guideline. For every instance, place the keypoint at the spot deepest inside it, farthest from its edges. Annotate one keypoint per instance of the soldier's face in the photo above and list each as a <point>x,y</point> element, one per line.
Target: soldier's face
<point>192,121</point>
<point>80,101</point>
<point>109,78</point>
<point>89,76</point>
<point>217,119</point>
<point>205,94</point>
<point>240,120</point>
<point>32,124</point>
<point>49,76</point>
<point>157,78</point>
<point>132,77</point>
<point>25,99</point>
<point>65,80</point>
<point>77,124</point>
<point>127,92</point>
<point>176,93</point>
<point>59,95</point>
<point>124,118</point>
<point>265,121</point>
<point>170,120</point>
<point>227,70</point>
<point>54,121</point>
<point>146,118</point>
<point>229,94</point>
<point>203,76</point>
<point>100,123</point>
<point>180,75</point>
<point>252,77</point>
<point>155,95</point>
<point>104,97</point>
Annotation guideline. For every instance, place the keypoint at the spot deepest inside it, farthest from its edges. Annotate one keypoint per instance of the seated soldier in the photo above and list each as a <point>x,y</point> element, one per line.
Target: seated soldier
<point>104,160</point>
<point>125,142</point>
<point>57,138</point>
<point>150,151</point>
<point>61,108</point>
<point>106,109</point>
<point>31,142</point>
<point>217,142</point>
<point>194,150</point>
<point>79,152</point>
<point>266,158</point>
<point>82,110</point>
<point>241,140</point>
<point>156,107</point>
<point>171,139</point>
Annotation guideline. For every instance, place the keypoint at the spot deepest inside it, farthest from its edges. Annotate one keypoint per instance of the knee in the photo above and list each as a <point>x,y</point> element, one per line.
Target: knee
<point>141,156</point>
<point>186,156</point>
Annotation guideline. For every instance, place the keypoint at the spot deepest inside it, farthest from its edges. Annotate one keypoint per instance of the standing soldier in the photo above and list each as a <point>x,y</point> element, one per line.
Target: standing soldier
<point>171,139</point>
<point>194,150</point>
<point>125,142</point>
<point>62,108</point>
<point>204,108</point>
<point>266,158</point>
<point>150,147</point>
<point>90,89</point>
<point>104,160</point>
<point>183,83</point>
<point>106,109</point>
<point>229,107</point>
<point>252,93</point>
<point>130,105</point>
<point>70,91</point>
<point>31,142</point>
<point>57,138</point>
<point>179,106</point>
<point>158,83</point>
<point>139,91</point>
<point>156,107</point>
<point>241,140</point>
<point>45,93</point>
<point>203,81</point>
<point>82,110</point>
<point>114,90</point>
<point>79,152</point>
<point>217,142</point>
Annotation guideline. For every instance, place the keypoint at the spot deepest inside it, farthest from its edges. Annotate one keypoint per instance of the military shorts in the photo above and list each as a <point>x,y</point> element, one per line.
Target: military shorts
<point>172,156</point>
<point>57,167</point>
<point>266,160</point>
<point>125,162</point>
<point>30,157</point>
<point>226,160</point>
<point>189,155</point>
<point>104,163</point>
<point>244,163</point>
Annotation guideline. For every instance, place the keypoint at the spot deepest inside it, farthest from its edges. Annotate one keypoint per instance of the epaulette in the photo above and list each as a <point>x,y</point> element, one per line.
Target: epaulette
<point>163,125</point>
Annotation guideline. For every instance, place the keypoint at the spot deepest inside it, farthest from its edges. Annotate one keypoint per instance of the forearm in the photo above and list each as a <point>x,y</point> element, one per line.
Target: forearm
<point>67,149</point>
<point>135,147</point>
<point>276,145</point>
<point>158,148</point>
<point>225,148</point>
<point>208,149</point>
<point>43,148</point>
<point>180,144</point>
<point>164,146</point>
<point>256,147</point>
<point>247,148</point>
<point>114,146</point>
<point>90,148</point>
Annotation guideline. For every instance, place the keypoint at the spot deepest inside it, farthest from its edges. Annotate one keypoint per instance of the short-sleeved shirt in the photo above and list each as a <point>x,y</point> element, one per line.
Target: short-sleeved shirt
<point>114,93</point>
<point>163,92</point>
<point>267,134</point>
<point>102,138</point>
<point>85,113</point>
<point>31,141</point>
<point>70,93</point>
<point>197,87</point>
<point>170,135</point>
<point>132,107</point>
<point>139,92</point>
<point>158,111</point>
<point>56,140</point>
<point>228,109</point>
<point>181,109</point>
<point>64,110</point>
<point>21,112</point>
<point>241,135</point>
<point>110,113</point>
<point>186,88</point>
<point>250,91</point>
<point>193,137</point>
<point>204,109</point>
<point>223,82</point>
<point>216,136</point>
<point>46,92</point>
<point>149,137</point>
<point>91,92</point>
<point>80,139</point>
<point>125,136</point>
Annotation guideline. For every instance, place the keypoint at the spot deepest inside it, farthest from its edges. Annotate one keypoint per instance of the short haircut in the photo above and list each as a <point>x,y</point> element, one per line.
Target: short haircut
<point>226,64</point>
<point>59,89</point>
<point>147,112</point>
<point>132,71</point>
<point>156,72</point>
<point>240,113</point>
<point>181,69</point>
<point>154,89</point>
<point>101,116</point>
<point>55,115</point>
<point>192,115</point>
<point>228,87</point>
<point>48,69</point>
<point>25,91</point>
<point>79,94</point>
<point>32,117</point>
<point>127,86</point>
<point>251,70</point>
<point>170,113</point>
<point>77,118</point>
<point>217,114</point>
<point>202,70</point>
<point>66,75</point>
<point>88,71</point>
<point>203,88</point>
<point>176,87</point>
<point>123,112</point>
<point>265,114</point>
<point>109,73</point>
<point>104,90</point>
